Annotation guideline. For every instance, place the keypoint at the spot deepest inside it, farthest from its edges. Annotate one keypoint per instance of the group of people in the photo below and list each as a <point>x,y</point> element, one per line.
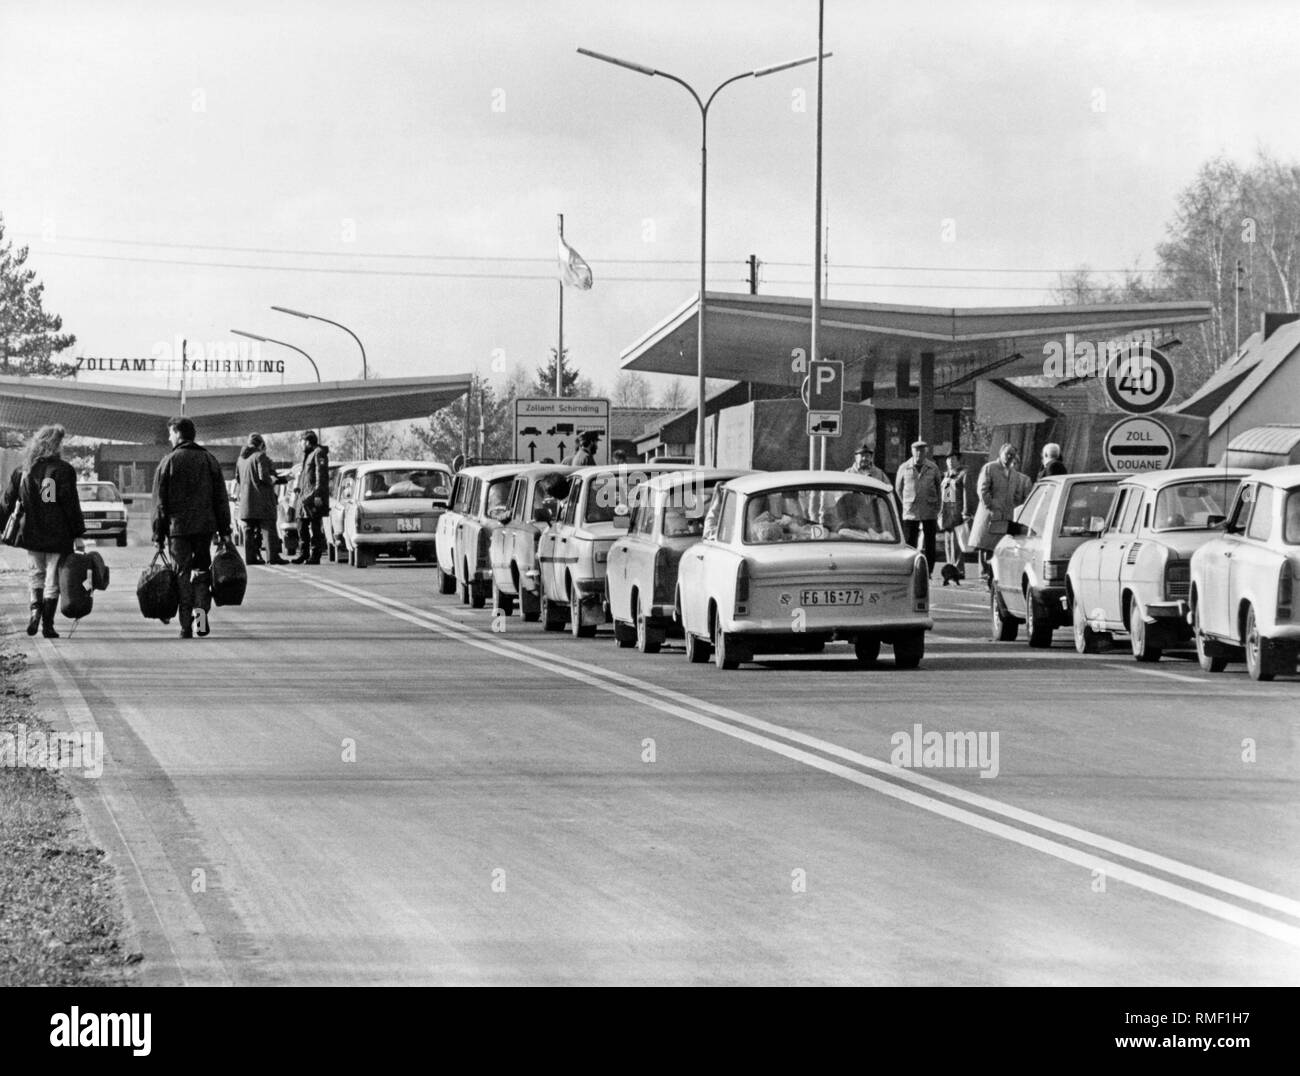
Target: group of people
<point>970,516</point>
<point>191,507</point>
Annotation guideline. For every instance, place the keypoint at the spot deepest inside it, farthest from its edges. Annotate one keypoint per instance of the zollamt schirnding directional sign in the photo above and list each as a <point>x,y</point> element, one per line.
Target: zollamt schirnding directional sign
<point>546,430</point>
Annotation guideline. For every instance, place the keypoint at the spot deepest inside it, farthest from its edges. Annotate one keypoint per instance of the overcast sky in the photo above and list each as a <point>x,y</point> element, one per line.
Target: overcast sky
<point>1051,134</point>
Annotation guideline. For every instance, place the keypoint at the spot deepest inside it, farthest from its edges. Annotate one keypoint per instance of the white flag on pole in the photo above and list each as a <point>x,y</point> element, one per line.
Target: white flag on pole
<point>574,272</point>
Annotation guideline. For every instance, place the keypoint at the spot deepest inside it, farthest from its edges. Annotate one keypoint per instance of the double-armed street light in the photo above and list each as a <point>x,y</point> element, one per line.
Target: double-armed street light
<point>338,325</point>
<point>291,347</point>
<point>704,175</point>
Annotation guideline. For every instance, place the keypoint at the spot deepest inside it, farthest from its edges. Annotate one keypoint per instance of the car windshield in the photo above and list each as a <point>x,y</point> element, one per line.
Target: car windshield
<point>1291,518</point>
<point>607,489</point>
<point>1189,505</point>
<point>1088,501</point>
<point>685,507</point>
<point>405,483</point>
<point>97,491</point>
<point>819,514</point>
<point>498,493</point>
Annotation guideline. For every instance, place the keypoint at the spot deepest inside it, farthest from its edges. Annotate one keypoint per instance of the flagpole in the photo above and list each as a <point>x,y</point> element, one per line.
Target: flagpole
<point>559,349</point>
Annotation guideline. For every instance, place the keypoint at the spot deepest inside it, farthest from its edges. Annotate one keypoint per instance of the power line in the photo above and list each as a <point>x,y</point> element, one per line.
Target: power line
<point>964,269</point>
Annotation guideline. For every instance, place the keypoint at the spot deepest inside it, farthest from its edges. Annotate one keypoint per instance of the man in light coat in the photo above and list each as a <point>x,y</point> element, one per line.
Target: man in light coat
<point>918,485</point>
<point>1002,489</point>
<point>257,501</point>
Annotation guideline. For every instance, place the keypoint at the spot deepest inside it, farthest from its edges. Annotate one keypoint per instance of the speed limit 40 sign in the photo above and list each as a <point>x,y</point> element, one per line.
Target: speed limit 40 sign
<point>1140,381</point>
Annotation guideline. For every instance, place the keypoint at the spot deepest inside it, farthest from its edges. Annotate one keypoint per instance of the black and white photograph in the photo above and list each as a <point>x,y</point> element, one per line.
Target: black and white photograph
<point>765,493</point>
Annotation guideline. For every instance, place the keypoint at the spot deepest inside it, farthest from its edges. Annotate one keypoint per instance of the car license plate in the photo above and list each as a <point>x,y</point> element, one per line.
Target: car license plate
<point>846,596</point>
<point>404,525</point>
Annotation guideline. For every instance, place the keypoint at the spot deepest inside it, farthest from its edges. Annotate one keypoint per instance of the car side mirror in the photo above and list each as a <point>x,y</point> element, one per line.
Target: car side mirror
<point>1096,524</point>
<point>542,515</point>
<point>1231,528</point>
<point>1017,530</point>
<point>1215,521</point>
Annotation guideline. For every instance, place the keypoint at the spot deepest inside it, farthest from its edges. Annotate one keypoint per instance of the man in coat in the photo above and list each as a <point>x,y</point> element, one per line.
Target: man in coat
<point>190,505</point>
<point>918,487</point>
<point>864,463</point>
<point>1002,489</point>
<point>1052,464</point>
<point>585,456</point>
<point>313,499</point>
<point>257,501</point>
<point>955,517</point>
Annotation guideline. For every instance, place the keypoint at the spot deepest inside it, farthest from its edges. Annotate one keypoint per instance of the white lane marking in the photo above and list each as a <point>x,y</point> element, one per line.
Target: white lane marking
<point>637,691</point>
<point>193,952</point>
<point>1153,672</point>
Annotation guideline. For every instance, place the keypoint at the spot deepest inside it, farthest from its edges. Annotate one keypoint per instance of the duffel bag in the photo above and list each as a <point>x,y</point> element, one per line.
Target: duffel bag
<point>157,592</point>
<point>76,591</point>
<point>229,575</point>
<point>98,570</point>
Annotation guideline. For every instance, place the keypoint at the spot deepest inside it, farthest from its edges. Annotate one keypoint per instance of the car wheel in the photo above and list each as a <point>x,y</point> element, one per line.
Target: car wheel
<point>649,637</point>
<point>909,649</point>
<point>1004,628</point>
<point>504,602</point>
<point>1260,662</point>
<point>362,558</point>
<point>1208,656</point>
<point>478,595</point>
<point>697,650</point>
<point>866,648</point>
<point>1038,622</point>
<point>624,634</point>
<point>121,539</point>
<point>726,648</point>
<point>462,589</point>
<point>553,615</point>
<point>530,607</point>
<point>446,584</point>
<point>576,626</point>
<point>1139,636</point>
<point>1085,639</point>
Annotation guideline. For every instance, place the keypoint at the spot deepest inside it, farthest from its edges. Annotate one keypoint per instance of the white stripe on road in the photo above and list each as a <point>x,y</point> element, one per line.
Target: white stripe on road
<point>1153,672</point>
<point>688,708</point>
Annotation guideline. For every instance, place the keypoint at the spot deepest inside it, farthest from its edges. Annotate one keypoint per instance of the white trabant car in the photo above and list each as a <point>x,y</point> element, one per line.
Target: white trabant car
<point>484,507</point>
<point>573,549</point>
<point>800,555</point>
<point>666,519</point>
<point>343,487</point>
<point>394,509</point>
<point>1135,575</point>
<point>512,549</point>
<point>444,539</point>
<point>104,510</point>
<point>1245,580</point>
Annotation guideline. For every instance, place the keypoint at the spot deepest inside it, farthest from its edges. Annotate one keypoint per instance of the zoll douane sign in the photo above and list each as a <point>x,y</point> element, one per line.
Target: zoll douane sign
<point>1138,444</point>
<point>546,430</point>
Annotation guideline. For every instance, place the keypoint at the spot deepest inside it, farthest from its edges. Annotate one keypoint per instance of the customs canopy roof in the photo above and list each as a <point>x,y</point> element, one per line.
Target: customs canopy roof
<point>752,337</point>
<point>130,413</point>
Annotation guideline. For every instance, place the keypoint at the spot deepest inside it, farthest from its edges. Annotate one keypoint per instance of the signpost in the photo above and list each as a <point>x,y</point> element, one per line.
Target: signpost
<point>1140,381</point>
<point>547,429</point>
<point>1138,444</point>
<point>823,395</point>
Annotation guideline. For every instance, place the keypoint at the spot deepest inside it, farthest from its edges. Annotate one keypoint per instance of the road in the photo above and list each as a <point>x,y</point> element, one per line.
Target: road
<point>355,780</point>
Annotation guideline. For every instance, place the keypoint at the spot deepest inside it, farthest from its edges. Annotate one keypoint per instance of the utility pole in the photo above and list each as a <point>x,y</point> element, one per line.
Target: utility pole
<point>754,263</point>
<point>1236,309</point>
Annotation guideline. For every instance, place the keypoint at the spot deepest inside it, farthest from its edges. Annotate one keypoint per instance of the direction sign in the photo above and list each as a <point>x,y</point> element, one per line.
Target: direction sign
<point>1138,444</point>
<point>1140,381</point>
<point>825,423</point>
<point>547,429</point>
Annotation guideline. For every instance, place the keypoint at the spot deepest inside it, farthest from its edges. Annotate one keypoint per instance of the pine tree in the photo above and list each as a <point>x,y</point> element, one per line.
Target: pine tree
<point>29,337</point>
<point>544,385</point>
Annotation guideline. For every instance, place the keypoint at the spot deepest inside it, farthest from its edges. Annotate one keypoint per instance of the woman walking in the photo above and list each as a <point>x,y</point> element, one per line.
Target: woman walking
<point>43,490</point>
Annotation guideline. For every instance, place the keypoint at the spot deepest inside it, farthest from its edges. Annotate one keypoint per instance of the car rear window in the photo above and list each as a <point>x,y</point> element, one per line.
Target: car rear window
<point>1087,501</point>
<point>1291,518</point>
<point>606,489</point>
<point>404,482</point>
<point>819,514</point>
<point>1189,505</point>
<point>685,507</point>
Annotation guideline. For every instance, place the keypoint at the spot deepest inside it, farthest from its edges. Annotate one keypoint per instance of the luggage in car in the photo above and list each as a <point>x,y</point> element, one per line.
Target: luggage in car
<point>98,570</point>
<point>229,576</point>
<point>76,590</point>
<point>157,592</point>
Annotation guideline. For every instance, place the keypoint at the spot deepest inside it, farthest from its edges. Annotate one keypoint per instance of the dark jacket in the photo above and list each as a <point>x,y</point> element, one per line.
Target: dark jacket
<point>1053,468</point>
<point>313,499</point>
<point>583,457</point>
<point>52,518</point>
<point>189,493</point>
<point>256,485</point>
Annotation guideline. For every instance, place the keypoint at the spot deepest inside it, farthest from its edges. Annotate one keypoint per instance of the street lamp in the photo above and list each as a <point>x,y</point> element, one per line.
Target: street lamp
<point>337,325</point>
<point>704,175</point>
<point>291,347</point>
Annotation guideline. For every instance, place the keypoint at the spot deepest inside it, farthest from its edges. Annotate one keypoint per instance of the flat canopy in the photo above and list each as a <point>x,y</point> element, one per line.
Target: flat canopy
<point>131,413</point>
<point>753,337</point>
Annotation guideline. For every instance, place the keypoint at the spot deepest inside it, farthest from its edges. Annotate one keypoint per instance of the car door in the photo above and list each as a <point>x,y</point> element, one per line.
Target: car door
<point>1115,550</point>
<point>1013,551</point>
<point>1252,568</point>
<point>698,564</point>
<point>1217,604</point>
<point>1086,565</point>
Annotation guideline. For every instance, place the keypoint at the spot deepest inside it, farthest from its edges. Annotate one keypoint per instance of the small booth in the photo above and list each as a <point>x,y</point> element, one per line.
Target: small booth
<point>1263,447</point>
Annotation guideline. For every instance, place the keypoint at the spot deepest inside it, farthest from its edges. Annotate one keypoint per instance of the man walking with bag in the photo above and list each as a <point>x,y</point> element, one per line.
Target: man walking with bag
<point>313,499</point>
<point>190,506</point>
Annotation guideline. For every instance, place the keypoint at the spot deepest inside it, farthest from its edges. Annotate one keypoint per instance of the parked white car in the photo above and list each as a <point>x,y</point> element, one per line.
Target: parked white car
<point>667,519</point>
<point>794,557</point>
<point>1135,575</point>
<point>393,510</point>
<point>1244,581</point>
<point>485,508</point>
<point>444,540</point>
<point>513,546</point>
<point>104,509</point>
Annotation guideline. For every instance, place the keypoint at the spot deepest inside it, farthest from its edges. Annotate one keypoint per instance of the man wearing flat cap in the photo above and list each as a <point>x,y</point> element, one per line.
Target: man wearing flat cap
<point>919,488</point>
<point>257,501</point>
<point>864,463</point>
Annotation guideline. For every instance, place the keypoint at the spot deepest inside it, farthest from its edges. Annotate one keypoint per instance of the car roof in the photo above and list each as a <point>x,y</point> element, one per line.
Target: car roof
<point>366,466</point>
<point>670,479</point>
<point>1284,477</point>
<point>1157,479</point>
<point>492,470</point>
<point>632,468</point>
<point>761,481</point>
<point>532,470</point>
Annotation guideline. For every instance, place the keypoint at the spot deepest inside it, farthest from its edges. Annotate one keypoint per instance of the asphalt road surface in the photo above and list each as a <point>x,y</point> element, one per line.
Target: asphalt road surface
<point>355,780</point>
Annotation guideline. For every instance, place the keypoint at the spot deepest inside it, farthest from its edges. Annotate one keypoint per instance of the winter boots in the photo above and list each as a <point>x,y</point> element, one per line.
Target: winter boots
<point>38,596</point>
<point>202,602</point>
<point>48,607</point>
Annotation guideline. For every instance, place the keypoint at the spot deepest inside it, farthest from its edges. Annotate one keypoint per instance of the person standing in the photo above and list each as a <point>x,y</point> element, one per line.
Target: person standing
<point>959,500</point>
<point>1052,464</point>
<point>1002,489</point>
<point>313,499</point>
<point>918,487</point>
<point>257,501</point>
<point>190,506</point>
<point>864,463</point>
<point>44,489</point>
<point>585,456</point>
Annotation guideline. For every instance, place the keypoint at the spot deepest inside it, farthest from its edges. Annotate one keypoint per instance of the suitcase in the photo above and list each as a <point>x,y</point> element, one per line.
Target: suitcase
<point>98,570</point>
<point>76,588</point>
<point>157,592</point>
<point>229,576</point>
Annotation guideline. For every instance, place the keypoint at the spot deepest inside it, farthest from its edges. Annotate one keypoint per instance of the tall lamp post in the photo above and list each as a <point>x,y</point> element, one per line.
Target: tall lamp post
<point>704,187</point>
<point>364,374</point>
<point>291,347</point>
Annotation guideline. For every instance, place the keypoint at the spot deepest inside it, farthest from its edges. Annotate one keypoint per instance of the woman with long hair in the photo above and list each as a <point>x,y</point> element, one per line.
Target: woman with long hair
<point>44,489</point>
